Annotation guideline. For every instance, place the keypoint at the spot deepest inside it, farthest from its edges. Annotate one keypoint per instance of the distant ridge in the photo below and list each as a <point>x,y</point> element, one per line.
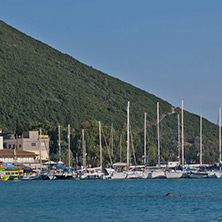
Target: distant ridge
<point>39,82</point>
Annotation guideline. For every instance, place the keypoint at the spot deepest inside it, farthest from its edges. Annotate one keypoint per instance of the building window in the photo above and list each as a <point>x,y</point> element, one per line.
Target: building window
<point>20,145</point>
<point>33,144</point>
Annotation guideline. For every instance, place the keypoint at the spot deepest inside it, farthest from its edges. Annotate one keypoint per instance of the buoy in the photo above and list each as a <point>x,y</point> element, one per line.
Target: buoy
<point>169,195</point>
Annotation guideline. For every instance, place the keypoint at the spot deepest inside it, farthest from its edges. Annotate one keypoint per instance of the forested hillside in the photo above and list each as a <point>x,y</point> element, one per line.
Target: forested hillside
<point>39,85</point>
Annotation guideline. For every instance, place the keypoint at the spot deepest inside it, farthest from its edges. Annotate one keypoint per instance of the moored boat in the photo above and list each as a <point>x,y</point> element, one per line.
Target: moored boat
<point>218,174</point>
<point>117,172</point>
<point>63,175</point>
<point>197,175</point>
<point>92,174</point>
<point>158,174</point>
<point>137,172</point>
<point>174,174</point>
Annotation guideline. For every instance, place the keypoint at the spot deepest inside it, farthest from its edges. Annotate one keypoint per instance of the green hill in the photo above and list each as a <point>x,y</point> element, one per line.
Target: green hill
<point>39,83</point>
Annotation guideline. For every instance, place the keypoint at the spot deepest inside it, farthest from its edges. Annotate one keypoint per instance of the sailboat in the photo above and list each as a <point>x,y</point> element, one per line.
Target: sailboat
<point>158,173</point>
<point>201,172</point>
<point>119,171</point>
<point>217,173</point>
<point>173,173</point>
<point>96,172</point>
<point>184,175</point>
<point>139,172</point>
<point>64,172</point>
<point>133,172</point>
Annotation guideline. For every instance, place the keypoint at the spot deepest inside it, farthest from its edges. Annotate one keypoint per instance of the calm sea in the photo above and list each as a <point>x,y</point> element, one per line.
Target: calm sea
<point>108,200</point>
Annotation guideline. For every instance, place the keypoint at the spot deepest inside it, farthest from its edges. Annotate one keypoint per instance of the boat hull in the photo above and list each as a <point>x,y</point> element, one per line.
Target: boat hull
<point>174,174</point>
<point>198,175</point>
<point>218,174</point>
<point>137,175</point>
<point>158,174</point>
<point>91,177</point>
<point>119,175</point>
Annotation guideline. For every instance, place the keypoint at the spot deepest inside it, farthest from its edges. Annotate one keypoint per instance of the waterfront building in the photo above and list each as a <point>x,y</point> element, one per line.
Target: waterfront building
<point>17,156</point>
<point>30,142</point>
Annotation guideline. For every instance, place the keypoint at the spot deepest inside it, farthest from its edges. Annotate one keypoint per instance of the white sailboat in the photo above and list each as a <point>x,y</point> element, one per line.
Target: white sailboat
<point>96,172</point>
<point>173,173</point>
<point>158,173</point>
<point>92,174</point>
<point>200,174</point>
<point>137,172</point>
<point>119,171</point>
<point>61,173</point>
<point>218,173</point>
<point>185,173</point>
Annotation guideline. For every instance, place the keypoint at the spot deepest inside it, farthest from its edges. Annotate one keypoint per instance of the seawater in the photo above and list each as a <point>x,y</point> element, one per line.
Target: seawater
<point>109,200</point>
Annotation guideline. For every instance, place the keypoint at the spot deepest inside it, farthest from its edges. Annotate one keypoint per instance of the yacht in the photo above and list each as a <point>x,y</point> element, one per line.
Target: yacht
<point>117,172</point>
<point>158,174</point>
<point>174,174</point>
<point>92,174</point>
<point>137,172</point>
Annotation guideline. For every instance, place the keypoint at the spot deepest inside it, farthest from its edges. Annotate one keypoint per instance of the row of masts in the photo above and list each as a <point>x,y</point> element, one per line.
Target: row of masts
<point>182,137</point>
<point>59,144</point>
<point>145,145</point>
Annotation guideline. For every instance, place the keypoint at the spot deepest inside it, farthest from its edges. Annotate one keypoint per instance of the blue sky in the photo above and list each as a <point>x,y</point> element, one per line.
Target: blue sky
<point>172,48</point>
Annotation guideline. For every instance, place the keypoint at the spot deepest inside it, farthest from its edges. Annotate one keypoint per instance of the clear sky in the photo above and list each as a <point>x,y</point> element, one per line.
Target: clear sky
<point>170,48</point>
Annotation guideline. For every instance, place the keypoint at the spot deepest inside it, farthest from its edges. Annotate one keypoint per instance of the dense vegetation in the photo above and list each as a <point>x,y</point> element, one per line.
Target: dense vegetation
<point>41,86</point>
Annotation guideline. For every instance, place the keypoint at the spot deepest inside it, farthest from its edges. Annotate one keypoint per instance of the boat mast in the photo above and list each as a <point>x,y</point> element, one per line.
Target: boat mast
<point>69,144</point>
<point>201,141</point>
<point>112,138</point>
<point>219,135</point>
<point>158,133</point>
<point>83,150</point>
<point>145,138</point>
<point>15,153</point>
<point>128,137</point>
<point>182,135</point>
<point>59,139</point>
<point>178,118</point>
<point>120,150</point>
<point>40,150</point>
<point>100,147</point>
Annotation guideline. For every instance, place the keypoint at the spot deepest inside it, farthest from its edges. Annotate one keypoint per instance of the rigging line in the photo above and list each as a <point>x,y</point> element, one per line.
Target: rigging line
<point>54,145</point>
<point>214,142</point>
<point>151,136</point>
<point>106,146</point>
<point>194,142</point>
<point>111,137</point>
<point>134,155</point>
<point>53,150</point>
<point>77,152</point>
<point>63,144</point>
<point>120,147</point>
<point>171,145</point>
<point>114,157</point>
